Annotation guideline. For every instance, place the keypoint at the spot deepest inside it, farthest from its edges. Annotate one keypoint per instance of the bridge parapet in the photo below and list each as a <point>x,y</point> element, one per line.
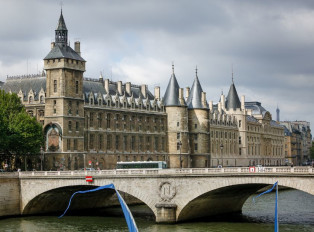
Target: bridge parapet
<point>184,171</point>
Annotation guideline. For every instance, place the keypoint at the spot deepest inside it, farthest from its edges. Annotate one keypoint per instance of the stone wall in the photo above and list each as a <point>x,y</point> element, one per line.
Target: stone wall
<point>9,194</point>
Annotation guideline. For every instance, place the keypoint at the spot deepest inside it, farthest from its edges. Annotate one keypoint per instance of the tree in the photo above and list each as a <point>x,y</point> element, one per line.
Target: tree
<point>312,151</point>
<point>20,134</point>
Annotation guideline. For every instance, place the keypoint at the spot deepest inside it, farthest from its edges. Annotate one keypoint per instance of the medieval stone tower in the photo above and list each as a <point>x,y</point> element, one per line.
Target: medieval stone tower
<point>198,114</point>
<point>64,108</point>
<point>177,124</point>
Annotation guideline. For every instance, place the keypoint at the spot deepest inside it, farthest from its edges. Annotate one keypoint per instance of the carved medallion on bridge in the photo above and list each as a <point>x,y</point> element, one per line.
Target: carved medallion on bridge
<point>167,191</point>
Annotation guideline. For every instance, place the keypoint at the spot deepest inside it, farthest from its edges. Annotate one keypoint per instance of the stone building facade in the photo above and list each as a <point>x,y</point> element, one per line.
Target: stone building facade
<point>97,122</point>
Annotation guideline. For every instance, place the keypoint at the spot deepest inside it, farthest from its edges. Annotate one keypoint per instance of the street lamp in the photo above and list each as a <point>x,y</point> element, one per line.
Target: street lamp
<point>42,157</point>
<point>221,148</point>
<point>180,144</point>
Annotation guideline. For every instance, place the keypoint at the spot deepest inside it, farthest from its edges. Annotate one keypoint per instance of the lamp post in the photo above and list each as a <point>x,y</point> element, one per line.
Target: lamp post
<point>42,157</point>
<point>180,144</point>
<point>221,148</point>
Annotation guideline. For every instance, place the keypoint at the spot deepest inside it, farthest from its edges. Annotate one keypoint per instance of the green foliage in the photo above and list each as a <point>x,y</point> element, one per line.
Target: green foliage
<point>20,134</point>
<point>312,151</point>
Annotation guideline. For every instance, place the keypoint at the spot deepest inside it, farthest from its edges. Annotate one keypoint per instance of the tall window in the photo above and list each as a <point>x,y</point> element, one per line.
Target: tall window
<point>156,143</point>
<point>70,125</point>
<point>91,142</point>
<point>30,100</point>
<point>240,140</point>
<point>75,144</point>
<point>91,120</point>
<point>108,120</point>
<point>76,87</point>
<point>99,120</point>
<point>141,143</point>
<point>41,99</point>
<point>195,146</point>
<point>125,142</point>
<point>100,142</point>
<point>76,126</point>
<point>77,107</point>
<point>117,142</point>
<point>132,143</point>
<point>70,107</point>
<point>55,86</point>
<point>162,143</point>
<point>68,144</point>
<point>109,142</point>
<point>147,143</point>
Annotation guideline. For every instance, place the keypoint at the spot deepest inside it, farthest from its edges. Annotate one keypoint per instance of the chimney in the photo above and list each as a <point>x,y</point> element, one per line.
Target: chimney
<point>119,87</point>
<point>77,47</point>
<point>223,102</point>
<point>211,105</point>
<point>143,90</point>
<point>181,96</point>
<point>52,45</point>
<point>107,85</point>
<point>242,102</point>
<point>204,99</point>
<point>128,88</point>
<point>187,92</point>
<point>157,93</point>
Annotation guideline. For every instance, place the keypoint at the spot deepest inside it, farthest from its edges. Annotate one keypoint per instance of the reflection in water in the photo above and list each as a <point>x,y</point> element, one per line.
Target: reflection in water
<point>296,213</point>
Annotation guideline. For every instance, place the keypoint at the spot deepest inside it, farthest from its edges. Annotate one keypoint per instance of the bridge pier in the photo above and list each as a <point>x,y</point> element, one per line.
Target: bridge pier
<point>166,213</point>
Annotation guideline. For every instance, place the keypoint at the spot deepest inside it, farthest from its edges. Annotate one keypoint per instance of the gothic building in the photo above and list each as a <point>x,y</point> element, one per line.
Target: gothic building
<point>98,122</point>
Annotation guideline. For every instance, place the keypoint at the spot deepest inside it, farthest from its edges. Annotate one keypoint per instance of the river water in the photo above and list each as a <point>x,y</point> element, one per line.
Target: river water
<point>296,214</point>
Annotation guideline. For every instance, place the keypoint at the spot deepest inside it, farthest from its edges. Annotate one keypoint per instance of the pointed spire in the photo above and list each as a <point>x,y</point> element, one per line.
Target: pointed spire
<point>171,97</point>
<point>233,101</point>
<point>194,100</point>
<point>61,23</point>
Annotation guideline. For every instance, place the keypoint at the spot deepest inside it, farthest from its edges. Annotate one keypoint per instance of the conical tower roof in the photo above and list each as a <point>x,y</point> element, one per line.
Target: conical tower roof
<point>232,101</point>
<point>194,100</point>
<point>61,24</point>
<point>171,97</point>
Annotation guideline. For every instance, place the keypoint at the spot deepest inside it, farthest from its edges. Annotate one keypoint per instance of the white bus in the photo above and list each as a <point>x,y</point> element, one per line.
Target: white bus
<point>142,165</point>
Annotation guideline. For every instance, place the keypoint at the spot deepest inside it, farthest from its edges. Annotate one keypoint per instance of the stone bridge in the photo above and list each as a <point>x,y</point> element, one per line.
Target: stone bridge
<point>172,194</point>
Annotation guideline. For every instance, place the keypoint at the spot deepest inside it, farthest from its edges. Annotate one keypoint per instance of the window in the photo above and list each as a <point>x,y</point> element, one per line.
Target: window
<point>125,143</point>
<point>133,143</point>
<point>239,123</point>
<point>91,142</point>
<point>162,143</point>
<point>100,142</point>
<point>141,143</point>
<point>55,86</point>
<point>109,142</point>
<point>30,100</point>
<point>195,146</point>
<point>195,136</point>
<point>156,144</point>
<point>77,126</point>
<point>240,140</point>
<point>77,107</point>
<point>148,143</point>
<point>75,144</point>
<point>108,120</point>
<point>239,151</point>
<point>99,120</point>
<point>41,99</point>
<point>178,124</point>
<point>70,125</point>
<point>178,135</point>
<point>117,142</point>
<point>76,87</point>
<point>68,144</point>
<point>195,126</point>
<point>70,107</point>
<point>91,119</point>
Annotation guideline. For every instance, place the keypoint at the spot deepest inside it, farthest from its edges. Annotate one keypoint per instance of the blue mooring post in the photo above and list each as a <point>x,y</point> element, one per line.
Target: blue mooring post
<point>276,204</point>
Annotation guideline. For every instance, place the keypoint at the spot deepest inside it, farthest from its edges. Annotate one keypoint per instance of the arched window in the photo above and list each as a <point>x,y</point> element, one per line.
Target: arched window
<point>30,99</point>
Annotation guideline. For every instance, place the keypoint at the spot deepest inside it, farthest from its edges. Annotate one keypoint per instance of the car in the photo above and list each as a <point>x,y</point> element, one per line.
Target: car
<point>2,170</point>
<point>259,168</point>
<point>219,166</point>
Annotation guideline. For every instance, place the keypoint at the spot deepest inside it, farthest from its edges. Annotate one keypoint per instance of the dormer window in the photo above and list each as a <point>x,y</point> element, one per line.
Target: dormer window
<point>30,99</point>
<point>41,99</point>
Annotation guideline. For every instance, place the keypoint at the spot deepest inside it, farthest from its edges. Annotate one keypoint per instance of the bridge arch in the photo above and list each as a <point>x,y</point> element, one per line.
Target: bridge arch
<point>227,195</point>
<point>35,199</point>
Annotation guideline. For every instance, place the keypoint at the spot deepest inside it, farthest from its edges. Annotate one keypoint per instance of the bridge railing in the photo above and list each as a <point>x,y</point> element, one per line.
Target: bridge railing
<point>183,171</point>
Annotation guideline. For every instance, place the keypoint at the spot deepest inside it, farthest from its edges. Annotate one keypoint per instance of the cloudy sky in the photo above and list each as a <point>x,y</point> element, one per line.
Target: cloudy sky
<point>270,45</point>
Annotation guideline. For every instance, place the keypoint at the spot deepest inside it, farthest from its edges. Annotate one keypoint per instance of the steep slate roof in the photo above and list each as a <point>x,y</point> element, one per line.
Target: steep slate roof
<point>58,51</point>
<point>25,84</point>
<point>232,100</point>
<point>171,97</point>
<point>194,100</point>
